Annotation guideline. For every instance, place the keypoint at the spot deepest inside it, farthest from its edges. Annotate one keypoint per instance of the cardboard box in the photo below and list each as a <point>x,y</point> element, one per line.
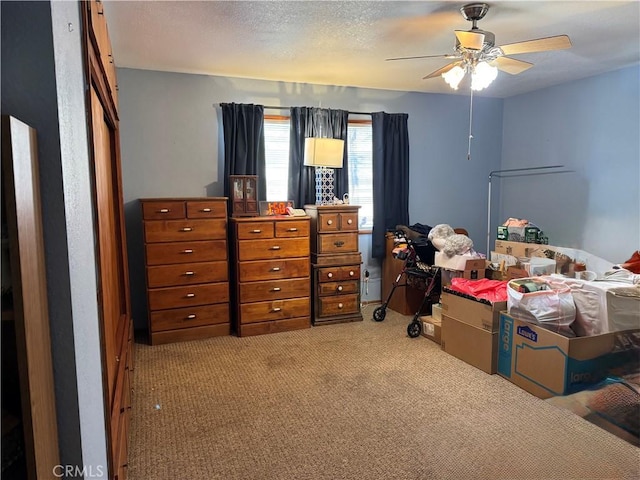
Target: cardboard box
<point>520,249</point>
<point>431,328</point>
<point>436,311</point>
<point>459,262</point>
<point>547,364</point>
<point>470,344</point>
<point>472,312</point>
<point>447,275</point>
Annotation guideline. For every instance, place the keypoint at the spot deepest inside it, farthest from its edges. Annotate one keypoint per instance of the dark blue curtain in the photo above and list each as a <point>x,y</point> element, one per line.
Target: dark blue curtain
<point>390,176</point>
<point>315,122</point>
<point>244,144</point>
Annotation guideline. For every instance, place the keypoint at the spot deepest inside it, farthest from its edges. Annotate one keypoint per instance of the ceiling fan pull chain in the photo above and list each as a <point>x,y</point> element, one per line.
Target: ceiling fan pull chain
<point>470,121</point>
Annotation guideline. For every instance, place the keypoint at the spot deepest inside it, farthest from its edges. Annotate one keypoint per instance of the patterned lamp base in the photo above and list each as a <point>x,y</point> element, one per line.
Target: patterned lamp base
<point>324,186</point>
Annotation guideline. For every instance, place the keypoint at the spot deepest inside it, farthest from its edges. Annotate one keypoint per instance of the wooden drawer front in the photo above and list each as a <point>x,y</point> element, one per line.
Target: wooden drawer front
<point>186,252</point>
<point>274,269</point>
<point>176,297</point>
<point>338,243</point>
<point>328,222</point>
<point>250,231</point>
<point>338,288</point>
<point>163,210</point>
<point>261,328</point>
<point>189,317</point>
<point>275,290</point>
<point>292,228</point>
<point>338,274</point>
<point>185,230</point>
<point>187,274</point>
<point>337,305</point>
<point>273,248</point>
<point>207,209</point>
<point>275,310</point>
<point>349,222</point>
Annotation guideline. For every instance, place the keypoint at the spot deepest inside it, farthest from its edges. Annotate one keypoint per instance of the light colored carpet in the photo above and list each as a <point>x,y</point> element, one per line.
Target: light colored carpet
<point>351,401</point>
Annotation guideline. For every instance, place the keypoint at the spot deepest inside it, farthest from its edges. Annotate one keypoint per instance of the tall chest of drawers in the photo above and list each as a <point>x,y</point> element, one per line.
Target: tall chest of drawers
<point>187,268</point>
<point>336,260</point>
<point>271,272</point>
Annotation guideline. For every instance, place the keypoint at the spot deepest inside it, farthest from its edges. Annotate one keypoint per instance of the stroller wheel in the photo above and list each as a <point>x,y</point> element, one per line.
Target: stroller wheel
<point>379,314</point>
<point>413,330</point>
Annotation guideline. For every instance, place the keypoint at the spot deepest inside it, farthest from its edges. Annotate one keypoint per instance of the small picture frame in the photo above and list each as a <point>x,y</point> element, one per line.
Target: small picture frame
<point>269,209</point>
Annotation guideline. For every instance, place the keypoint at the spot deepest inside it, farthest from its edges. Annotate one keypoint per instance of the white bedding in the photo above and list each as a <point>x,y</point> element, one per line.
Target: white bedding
<point>604,306</point>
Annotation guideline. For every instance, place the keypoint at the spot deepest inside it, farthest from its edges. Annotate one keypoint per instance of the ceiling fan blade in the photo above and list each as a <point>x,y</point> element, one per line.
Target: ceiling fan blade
<point>511,65</point>
<point>448,55</point>
<point>470,40</point>
<point>442,70</point>
<point>559,42</point>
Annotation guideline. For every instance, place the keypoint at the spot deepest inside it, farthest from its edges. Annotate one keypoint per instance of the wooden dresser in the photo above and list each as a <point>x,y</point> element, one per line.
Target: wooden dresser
<point>336,260</point>
<point>187,268</point>
<point>271,275</point>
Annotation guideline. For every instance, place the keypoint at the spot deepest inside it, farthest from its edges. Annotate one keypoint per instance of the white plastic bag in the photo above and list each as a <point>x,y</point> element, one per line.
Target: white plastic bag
<point>553,308</point>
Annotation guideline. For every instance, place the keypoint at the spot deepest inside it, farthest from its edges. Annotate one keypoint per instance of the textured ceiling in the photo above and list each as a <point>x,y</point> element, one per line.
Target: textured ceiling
<point>345,43</point>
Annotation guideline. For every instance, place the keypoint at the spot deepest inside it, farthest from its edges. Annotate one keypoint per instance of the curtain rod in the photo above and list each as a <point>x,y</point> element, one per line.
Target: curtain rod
<point>271,107</point>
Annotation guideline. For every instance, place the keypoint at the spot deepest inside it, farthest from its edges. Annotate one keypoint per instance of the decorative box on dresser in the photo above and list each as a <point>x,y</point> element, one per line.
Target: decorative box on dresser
<point>336,260</point>
<point>187,268</point>
<point>271,271</point>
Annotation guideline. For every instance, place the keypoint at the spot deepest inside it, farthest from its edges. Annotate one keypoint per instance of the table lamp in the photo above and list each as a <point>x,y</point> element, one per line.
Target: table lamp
<point>324,154</point>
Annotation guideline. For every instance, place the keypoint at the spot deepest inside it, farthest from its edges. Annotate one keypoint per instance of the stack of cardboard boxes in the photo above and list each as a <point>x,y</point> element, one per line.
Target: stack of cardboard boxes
<point>540,361</point>
<point>470,330</point>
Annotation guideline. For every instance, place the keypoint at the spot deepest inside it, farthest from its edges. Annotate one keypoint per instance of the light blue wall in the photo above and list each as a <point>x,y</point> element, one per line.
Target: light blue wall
<point>171,146</point>
<point>591,126</point>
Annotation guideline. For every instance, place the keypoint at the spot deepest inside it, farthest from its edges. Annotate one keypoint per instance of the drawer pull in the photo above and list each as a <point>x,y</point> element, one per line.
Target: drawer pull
<point>330,275</point>
<point>340,305</point>
<point>117,358</point>
<point>339,243</point>
<point>191,316</point>
<point>257,230</point>
<point>329,222</point>
<point>164,210</point>
<point>352,273</point>
<point>275,289</point>
<point>188,250</point>
<point>349,222</point>
<point>276,309</point>
<point>275,269</point>
<point>339,288</point>
<point>292,229</point>
<point>187,229</point>
<point>189,273</point>
<point>207,210</point>
<point>191,295</point>
<point>275,247</point>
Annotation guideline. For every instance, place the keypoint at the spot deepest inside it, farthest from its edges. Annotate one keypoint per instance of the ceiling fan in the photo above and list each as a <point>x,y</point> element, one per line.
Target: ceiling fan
<point>476,53</point>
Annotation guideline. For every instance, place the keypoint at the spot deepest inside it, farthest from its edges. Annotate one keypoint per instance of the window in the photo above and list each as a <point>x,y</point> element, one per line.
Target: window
<point>359,146</point>
<point>276,151</point>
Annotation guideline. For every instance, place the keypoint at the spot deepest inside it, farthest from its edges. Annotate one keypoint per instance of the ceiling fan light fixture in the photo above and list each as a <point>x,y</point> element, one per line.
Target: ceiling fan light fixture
<point>482,76</point>
<point>454,76</point>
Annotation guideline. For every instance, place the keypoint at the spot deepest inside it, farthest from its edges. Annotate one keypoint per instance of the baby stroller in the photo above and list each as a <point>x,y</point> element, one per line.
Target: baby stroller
<point>417,271</point>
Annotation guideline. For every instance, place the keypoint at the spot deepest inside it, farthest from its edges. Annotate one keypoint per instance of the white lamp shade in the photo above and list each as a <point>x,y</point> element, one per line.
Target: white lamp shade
<point>323,152</point>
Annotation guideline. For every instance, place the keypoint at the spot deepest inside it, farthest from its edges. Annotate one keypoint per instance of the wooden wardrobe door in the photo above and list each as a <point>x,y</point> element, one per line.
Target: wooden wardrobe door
<point>112,282</point>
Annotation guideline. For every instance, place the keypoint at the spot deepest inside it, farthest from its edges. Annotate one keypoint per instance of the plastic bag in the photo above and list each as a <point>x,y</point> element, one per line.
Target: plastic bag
<point>484,288</point>
<point>553,307</point>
